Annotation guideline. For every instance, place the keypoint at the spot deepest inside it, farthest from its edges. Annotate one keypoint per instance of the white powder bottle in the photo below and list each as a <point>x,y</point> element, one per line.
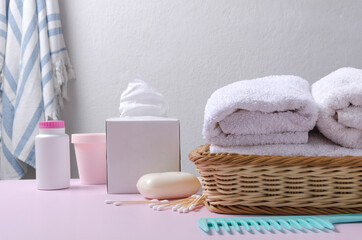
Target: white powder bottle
<point>52,156</point>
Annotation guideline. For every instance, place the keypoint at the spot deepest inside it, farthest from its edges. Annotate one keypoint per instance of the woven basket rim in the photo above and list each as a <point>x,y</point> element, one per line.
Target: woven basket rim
<point>202,155</point>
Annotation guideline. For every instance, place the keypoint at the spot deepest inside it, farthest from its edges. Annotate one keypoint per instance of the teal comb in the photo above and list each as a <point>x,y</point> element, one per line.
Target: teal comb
<point>278,223</point>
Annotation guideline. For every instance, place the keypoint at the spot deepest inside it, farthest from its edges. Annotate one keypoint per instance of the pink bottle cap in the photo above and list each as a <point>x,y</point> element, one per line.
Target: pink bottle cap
<point>51,124</point>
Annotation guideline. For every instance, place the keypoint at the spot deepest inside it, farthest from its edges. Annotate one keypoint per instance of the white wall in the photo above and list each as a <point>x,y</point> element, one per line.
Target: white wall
<point>187,49</point>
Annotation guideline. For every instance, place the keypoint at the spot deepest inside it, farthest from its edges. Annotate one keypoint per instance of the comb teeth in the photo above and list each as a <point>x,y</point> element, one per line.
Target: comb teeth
<point>267,223</point>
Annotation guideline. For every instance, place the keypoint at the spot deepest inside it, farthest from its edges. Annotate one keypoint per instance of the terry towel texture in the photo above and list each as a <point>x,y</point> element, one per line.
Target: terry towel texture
<point>269,110</point>
<point>339,98</point>
<point>317,145</point>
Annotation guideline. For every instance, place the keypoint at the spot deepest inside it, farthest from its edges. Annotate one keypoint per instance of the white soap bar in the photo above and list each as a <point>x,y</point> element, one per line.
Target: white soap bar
<point>168,185</point>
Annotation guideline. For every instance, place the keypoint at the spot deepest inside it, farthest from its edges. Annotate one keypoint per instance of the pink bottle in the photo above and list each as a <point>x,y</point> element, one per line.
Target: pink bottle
<point>52,156</point>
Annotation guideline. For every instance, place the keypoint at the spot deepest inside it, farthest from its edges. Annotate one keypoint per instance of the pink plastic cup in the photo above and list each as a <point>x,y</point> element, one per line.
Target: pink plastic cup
<point>90,151</point>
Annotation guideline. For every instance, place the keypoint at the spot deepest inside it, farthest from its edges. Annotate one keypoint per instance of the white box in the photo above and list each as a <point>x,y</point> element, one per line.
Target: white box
<point>137,146</point>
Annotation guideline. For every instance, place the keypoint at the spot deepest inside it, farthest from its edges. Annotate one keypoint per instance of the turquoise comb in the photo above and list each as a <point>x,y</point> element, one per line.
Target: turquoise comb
<point>278,223</point>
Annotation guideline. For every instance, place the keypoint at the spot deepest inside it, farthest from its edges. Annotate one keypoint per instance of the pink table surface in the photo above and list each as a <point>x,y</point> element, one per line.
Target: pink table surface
<point>80,213</point>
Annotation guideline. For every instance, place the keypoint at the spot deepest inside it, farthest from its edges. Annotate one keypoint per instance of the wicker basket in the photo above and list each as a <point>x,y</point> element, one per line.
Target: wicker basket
<point>254,184</point>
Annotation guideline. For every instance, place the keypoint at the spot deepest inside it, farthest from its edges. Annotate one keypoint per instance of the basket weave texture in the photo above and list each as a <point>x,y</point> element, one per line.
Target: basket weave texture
<point>279,185</point>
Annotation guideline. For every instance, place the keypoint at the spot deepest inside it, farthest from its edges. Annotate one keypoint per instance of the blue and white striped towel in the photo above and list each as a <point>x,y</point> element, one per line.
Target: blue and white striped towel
<point>35,68</point>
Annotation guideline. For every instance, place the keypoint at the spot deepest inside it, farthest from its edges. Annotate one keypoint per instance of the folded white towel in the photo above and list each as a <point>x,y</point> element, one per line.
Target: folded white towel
<point>269,110</point>
<point>317,145</point>
<point>339,98</point>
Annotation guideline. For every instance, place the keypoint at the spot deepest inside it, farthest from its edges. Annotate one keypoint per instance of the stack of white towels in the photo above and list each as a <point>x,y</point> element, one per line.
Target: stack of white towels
<point>276,115</point>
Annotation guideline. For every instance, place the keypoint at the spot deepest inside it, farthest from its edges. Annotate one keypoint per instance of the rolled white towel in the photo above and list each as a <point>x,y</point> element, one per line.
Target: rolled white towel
<point>317,145</point>
<point>269,110</point>
<point>339,98</point>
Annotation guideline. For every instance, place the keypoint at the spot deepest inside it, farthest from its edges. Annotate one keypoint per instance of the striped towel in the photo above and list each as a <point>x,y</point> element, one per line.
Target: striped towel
<point>35,68</point>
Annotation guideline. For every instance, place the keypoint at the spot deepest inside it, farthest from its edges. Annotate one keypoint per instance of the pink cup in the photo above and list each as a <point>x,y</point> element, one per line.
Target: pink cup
<point>90,151</point>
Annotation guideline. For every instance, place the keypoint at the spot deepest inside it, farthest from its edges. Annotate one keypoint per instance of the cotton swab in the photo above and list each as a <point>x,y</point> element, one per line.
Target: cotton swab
<point>194,203</point>
<point>190,206</point>
<point>182,205</point>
